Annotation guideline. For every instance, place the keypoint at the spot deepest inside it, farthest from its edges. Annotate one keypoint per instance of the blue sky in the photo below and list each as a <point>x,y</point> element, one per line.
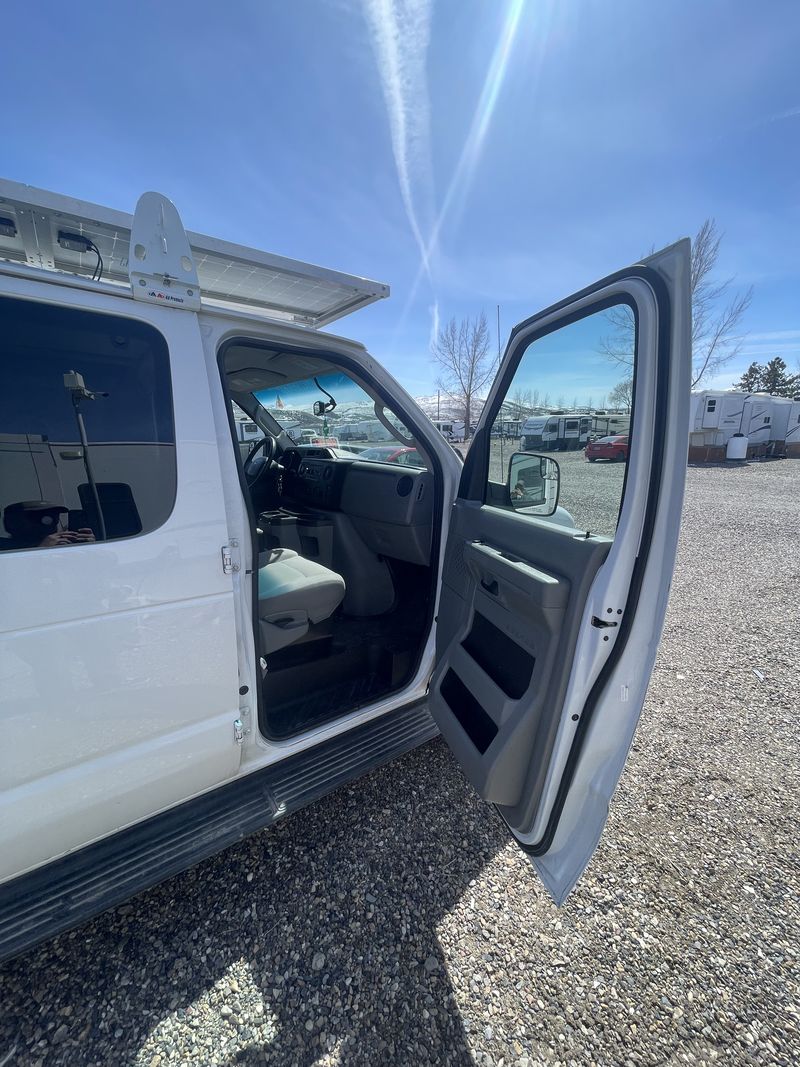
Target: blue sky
<point>469,153</point>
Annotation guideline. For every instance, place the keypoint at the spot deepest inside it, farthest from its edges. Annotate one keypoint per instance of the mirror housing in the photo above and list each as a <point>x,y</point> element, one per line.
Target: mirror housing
<point>533,483</point>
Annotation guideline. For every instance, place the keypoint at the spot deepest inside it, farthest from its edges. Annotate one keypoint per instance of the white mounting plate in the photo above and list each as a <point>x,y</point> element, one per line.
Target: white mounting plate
<point>234,275</point>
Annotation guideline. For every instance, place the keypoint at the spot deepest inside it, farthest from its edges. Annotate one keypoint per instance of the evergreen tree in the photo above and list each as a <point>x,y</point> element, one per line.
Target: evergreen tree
<point>750,381</point>
<point>769,378</point>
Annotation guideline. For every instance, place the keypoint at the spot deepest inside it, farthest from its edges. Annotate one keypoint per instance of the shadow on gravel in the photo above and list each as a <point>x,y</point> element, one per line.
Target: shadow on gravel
<point>328,954</point>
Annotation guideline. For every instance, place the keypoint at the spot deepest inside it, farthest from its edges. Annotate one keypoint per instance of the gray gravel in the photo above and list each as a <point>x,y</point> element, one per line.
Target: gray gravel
<point>395,923</point>
<point>590,492</point>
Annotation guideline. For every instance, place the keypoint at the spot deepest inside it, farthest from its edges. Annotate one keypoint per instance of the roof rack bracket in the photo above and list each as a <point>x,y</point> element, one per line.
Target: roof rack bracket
<point>160,264</point>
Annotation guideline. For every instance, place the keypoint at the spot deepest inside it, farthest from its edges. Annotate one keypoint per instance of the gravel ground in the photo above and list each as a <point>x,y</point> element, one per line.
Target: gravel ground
<point>394,922</point>
<point>590,492</point>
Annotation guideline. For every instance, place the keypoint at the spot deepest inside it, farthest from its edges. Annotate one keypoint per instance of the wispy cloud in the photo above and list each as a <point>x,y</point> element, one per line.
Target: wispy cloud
<point>476,135</point>
<point>400,34</point>
<point>775,335</point>
<point>789,113</point>
<point>435,323</point>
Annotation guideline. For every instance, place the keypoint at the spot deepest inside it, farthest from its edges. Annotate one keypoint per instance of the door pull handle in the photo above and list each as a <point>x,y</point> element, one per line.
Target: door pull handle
<point>490,587</point>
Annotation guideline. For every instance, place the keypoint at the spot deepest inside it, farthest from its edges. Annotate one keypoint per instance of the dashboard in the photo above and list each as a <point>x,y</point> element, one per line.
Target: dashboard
<point>390,505</point>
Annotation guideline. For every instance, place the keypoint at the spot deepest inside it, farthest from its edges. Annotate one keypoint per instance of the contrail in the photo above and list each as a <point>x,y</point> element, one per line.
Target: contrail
<point>470,153</point>
<point>400,32</point>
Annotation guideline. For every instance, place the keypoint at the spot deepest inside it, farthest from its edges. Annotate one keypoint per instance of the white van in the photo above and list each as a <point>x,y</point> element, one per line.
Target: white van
<point>195,644</point>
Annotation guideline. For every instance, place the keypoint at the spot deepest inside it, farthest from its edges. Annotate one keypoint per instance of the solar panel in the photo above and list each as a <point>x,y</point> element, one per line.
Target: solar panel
<point>234,275</point>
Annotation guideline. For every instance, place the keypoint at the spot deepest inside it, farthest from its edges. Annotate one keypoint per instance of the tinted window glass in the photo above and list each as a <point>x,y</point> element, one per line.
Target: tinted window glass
<point>87,440</point>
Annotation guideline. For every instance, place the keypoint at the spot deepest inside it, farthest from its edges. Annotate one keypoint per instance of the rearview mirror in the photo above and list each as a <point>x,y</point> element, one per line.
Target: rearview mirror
<point>533,483</point>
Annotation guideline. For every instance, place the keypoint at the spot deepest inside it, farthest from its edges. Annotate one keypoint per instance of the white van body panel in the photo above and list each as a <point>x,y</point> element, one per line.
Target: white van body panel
<point>136,711</point>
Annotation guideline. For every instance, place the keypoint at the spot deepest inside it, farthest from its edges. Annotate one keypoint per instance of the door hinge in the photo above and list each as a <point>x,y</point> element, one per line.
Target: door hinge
<point>241,726</point>
<point>231,563</point>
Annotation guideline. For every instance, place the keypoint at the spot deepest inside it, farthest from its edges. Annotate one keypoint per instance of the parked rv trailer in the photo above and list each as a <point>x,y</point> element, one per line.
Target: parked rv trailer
<point>451,429</point>
<point>605,425</point>
<point>556,433</point>
<point>716,415</point>
<point>793,430</point>
<point>247,433</point>
<point>779,426</point>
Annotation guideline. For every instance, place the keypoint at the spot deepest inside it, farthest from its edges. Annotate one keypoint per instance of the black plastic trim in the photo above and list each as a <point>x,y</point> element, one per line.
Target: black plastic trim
<point>69,891</point>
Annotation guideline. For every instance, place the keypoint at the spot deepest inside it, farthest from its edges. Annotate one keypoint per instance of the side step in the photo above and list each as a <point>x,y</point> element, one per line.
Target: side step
<point>69,891</point>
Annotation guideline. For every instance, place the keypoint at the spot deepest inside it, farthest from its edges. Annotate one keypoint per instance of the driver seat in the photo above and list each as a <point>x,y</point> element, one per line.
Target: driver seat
<point>293,594</point>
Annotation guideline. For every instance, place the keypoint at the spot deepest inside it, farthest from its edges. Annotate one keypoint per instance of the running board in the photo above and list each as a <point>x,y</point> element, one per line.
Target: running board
<point>67,892</point>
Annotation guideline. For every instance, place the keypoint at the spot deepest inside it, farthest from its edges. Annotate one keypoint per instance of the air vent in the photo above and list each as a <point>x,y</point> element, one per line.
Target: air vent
<point>404,485</point>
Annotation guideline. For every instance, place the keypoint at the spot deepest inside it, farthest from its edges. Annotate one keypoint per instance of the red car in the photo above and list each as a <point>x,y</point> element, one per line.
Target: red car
<point>409,457</point>
<point>614,448</point>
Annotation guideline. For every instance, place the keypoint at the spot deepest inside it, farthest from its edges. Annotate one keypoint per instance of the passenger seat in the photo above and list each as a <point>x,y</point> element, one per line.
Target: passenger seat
<point>293,594</point>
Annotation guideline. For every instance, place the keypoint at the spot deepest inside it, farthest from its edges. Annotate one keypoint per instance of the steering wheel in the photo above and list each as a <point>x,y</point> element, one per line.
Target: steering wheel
<point>259,459</point>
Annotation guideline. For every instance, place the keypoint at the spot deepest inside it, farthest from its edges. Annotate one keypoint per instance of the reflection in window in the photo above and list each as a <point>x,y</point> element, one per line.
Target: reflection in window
<point>572,396</point>
<point>87,442</point>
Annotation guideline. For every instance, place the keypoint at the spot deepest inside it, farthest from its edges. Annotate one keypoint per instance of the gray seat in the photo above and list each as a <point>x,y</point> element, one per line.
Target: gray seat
<point>293,593</point>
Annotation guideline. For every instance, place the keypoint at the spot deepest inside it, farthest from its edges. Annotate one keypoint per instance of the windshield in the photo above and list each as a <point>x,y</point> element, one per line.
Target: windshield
<point>351,425</point>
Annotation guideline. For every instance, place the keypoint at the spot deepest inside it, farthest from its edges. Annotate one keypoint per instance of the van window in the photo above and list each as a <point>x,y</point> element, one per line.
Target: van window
<point>711,406</point>
<point>574,367</point>
<point>87,438</point>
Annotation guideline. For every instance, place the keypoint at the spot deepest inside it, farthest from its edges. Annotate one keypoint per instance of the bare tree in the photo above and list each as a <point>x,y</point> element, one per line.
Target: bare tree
<point>621,396</point>
<point>521,403</point>
<point>717,312</point>
<point>465,362</point>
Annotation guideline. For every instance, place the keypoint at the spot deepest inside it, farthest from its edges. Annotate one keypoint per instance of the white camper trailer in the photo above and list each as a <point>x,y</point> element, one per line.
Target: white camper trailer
<point>716,415</point>
<point>215,641</point>
<point>793,430</point>
<point>781,410</point>
<point>605,424</point>
<point>556,433</point>
<point>450,429</point>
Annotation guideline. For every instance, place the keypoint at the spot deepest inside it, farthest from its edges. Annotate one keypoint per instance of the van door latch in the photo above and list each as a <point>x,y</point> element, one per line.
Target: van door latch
<point>602,623</point>
<point>230,557</point>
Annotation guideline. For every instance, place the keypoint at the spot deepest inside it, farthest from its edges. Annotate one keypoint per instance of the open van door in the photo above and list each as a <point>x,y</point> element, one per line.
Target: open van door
<point>548,624</point>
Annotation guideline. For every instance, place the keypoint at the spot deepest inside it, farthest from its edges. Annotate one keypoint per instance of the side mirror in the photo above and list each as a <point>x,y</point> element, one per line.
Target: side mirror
<point>533,483</point>
<point>319,407</point>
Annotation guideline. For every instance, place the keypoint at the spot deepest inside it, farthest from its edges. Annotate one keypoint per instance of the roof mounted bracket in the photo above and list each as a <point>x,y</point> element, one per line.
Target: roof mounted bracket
<point>161,265</point>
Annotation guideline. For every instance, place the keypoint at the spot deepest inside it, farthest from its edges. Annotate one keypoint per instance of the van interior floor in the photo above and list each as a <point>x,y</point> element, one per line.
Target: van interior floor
<point>358,660</point>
